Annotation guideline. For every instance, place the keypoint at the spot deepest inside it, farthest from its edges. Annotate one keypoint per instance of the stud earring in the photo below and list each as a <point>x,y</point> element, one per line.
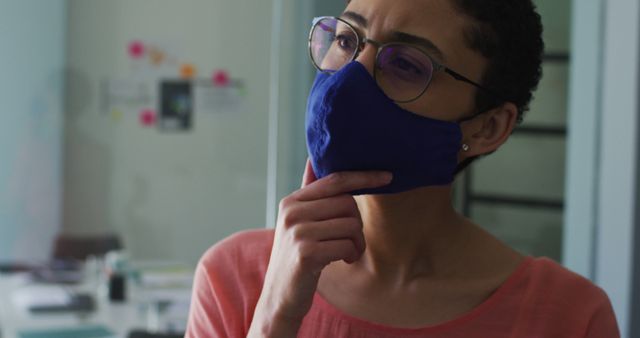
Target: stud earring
<point>465,147</point>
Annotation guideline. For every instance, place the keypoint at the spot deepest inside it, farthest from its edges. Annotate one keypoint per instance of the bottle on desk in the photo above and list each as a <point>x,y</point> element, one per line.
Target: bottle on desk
<point>116,266</point>
<point>117,287</point>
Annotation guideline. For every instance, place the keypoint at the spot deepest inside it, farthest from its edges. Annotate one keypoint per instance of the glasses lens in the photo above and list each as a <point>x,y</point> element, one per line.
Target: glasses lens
<point>333,44</point>
<point>403,72</point>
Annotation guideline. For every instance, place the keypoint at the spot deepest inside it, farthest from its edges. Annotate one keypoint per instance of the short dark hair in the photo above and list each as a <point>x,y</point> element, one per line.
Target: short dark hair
<point>508,33</point>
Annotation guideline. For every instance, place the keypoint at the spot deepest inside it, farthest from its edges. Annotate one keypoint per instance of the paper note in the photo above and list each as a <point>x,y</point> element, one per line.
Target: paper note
<point>80,332</point>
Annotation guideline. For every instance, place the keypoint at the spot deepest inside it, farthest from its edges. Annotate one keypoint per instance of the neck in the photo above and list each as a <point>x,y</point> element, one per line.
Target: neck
<point>410,235</point>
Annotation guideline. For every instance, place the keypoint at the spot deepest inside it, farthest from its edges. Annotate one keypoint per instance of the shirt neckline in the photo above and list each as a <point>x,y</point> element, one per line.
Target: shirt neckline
<point>485,306</point>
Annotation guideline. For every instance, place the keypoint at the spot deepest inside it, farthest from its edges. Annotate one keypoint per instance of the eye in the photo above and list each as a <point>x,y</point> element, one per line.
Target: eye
<point>345,38</point>
<point>346,42</point>
<point>406,66</point>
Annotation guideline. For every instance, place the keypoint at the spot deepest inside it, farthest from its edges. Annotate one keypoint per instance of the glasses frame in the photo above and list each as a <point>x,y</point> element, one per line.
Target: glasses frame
<point>361,42</point>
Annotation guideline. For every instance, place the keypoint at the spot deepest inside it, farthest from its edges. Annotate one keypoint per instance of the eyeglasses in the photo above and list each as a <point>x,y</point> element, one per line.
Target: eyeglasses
<point>403,71</point>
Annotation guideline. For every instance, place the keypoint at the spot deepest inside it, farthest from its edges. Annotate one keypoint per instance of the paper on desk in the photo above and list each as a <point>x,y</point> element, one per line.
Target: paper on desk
<point>76,332</point>
<point>167,276</point>
<point>40,295</point>
<point>166,280</point>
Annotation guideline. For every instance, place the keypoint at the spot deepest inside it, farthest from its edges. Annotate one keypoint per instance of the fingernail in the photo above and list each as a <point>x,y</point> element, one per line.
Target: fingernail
<point>386,176</point>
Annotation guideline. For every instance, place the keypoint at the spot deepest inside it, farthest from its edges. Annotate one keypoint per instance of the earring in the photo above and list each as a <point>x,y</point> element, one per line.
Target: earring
<point>465,147</point>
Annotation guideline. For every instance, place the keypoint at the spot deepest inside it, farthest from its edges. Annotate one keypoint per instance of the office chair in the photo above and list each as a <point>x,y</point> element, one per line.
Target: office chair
<point>68,247</point>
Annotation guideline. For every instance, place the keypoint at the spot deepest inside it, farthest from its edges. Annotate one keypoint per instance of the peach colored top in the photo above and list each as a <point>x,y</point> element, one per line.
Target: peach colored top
<point>540,299</point>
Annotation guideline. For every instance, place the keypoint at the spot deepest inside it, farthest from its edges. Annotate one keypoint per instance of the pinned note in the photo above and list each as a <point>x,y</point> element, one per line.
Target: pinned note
<point>187,71</point>
<point>136,49</point>
<point>147,117</point>
<point>176,107</point>
<point>221,78</point>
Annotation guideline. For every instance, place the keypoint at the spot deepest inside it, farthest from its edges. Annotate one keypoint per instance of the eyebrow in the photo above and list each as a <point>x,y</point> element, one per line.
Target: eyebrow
<point>426,44</point>
<point>359,19</point>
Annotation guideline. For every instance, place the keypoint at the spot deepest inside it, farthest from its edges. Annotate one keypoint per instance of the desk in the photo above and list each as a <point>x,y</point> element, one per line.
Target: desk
<point>140,311</point>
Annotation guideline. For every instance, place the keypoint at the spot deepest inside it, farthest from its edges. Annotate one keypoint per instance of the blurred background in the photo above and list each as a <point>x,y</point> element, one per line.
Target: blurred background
<point>138,133</point>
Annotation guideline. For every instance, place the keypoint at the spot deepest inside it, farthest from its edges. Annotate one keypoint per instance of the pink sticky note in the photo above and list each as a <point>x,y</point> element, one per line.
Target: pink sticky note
<point>147,117</point>
<point>221,78</point>
<point>136,49</point>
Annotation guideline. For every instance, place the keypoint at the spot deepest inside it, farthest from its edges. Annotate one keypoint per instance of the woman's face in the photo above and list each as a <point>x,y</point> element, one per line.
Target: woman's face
<point>437,22</point>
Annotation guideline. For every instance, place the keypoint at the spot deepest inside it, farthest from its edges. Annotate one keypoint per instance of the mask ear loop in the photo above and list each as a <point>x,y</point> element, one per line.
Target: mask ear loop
<point>464,146</point>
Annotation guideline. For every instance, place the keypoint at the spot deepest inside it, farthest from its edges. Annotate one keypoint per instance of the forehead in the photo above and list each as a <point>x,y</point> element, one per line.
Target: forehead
<point>435,20</point>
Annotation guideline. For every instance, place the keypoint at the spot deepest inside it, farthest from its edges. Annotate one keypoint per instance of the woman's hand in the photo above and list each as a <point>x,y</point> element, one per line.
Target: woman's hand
<point>317,225</point>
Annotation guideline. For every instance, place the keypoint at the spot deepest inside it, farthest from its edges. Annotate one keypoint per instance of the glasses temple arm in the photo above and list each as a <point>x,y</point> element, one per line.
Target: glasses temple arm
<point>462,78</point>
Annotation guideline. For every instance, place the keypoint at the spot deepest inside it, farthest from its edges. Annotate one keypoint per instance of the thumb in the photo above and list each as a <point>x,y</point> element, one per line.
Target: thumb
<point>309,176</point>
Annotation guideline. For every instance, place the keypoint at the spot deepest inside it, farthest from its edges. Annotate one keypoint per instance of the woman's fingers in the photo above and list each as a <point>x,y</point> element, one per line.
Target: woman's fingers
<point>317,225</point>
<point>349,228</point>
<point>342,183</point>
<point>309,176</point>
<point>315,256</point>
<point>320,210</point>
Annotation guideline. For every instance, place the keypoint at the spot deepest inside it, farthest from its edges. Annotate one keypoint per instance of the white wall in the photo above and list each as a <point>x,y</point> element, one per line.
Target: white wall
<point>584,136</point>
<point>296,77</point>
<point>618,150</point>
<point>171,195</point>
<point>32,40</point>
<point>603,146</point>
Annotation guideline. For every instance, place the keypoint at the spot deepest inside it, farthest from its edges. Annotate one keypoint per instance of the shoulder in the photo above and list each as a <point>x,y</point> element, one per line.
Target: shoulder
<point>558,292</point>
<point>256,241</point>
<point>238,263</point>
<point>556,279</point>
<point>228,282</point>
<point>246,250</point>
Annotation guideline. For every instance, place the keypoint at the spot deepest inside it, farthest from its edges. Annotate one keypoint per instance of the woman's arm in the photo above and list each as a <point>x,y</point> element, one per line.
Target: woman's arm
<point>318,224</point>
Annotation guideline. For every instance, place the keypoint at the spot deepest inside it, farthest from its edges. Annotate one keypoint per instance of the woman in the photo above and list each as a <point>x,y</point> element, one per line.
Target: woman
<point>408,94</point>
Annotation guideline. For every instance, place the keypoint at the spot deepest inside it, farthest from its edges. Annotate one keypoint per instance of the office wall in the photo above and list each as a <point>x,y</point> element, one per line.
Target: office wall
<point>170,194</point>
<point>32,40</point>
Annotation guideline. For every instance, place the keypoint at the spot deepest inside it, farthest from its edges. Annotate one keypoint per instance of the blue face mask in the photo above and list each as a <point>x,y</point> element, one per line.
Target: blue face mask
<point>352,125</point>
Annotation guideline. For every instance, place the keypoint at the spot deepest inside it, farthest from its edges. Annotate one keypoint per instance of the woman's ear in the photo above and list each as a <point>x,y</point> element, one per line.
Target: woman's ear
<point>488,131</point>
